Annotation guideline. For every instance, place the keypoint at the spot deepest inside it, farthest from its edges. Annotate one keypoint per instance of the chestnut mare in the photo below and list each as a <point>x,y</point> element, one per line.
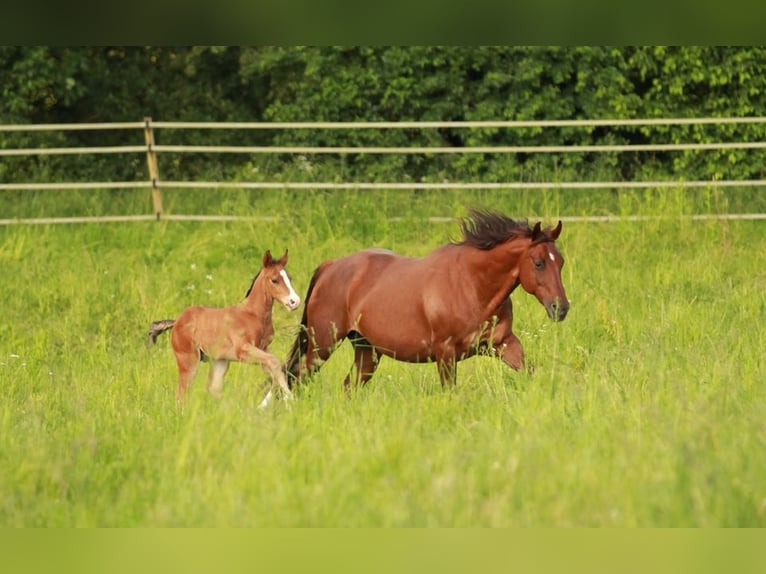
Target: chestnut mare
<point>443,307</point>
<point>241,332</point>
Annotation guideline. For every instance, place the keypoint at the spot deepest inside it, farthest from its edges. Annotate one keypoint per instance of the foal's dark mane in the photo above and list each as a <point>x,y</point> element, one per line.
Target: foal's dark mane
<point>252,284</point>
<point>485,229</point>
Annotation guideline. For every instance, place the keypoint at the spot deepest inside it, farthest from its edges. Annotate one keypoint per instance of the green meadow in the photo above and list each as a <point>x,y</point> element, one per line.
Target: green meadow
<point>646,407</point>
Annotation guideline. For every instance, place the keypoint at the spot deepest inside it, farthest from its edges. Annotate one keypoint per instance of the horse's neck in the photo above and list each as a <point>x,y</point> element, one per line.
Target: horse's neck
<point>498,269</point>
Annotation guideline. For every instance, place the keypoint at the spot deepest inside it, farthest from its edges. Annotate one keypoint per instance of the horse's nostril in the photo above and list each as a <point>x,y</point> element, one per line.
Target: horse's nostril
<point>558,310</point>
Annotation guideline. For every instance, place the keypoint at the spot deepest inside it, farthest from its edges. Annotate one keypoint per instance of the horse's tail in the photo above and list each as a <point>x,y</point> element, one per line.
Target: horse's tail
<point>301,344</point>
<point>158,328</point>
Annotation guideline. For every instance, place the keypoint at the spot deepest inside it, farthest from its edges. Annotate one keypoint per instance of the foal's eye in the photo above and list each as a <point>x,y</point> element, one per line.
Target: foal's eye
<point>274,281</point>
<point>539,264</point>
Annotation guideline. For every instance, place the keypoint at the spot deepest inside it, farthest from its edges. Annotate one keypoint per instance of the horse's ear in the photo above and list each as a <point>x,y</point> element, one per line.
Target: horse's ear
<point>283,260</point>
<point>267,258</point>
<point>537,232</point>
<point>556,231</point>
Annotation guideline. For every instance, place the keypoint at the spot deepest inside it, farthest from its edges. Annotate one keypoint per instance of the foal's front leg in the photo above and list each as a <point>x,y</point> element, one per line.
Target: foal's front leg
<point>218,368</point>
<point>271,364</point>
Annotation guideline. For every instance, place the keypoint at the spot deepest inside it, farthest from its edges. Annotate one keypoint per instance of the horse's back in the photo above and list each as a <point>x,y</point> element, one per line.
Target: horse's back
<point>362,271</point>
<point>379,294</point>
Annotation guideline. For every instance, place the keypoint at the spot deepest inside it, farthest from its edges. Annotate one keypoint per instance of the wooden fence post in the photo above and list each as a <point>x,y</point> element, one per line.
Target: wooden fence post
<point>154,172</point>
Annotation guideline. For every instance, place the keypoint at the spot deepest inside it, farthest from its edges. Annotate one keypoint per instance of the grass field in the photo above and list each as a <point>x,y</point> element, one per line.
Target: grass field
<point>646,408</point>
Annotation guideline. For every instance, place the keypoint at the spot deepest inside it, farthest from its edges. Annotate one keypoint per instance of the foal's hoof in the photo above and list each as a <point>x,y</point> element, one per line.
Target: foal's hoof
<point>266,400</point>
<point>286,394</point>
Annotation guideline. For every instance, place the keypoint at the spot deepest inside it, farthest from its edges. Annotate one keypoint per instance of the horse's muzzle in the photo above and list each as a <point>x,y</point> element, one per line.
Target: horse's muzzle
<point>558,309</point>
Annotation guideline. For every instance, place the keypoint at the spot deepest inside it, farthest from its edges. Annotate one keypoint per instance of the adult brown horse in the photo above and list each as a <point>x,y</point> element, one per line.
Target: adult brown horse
<point>240,332</point>
<point>443,307</point>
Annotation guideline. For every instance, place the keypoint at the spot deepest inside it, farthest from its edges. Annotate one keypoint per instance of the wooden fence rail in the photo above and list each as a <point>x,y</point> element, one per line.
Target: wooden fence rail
<point>154,183</point>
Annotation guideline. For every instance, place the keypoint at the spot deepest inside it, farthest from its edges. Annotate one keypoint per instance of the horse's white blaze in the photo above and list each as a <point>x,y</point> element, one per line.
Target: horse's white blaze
<point>550,255</point>
<point>292,297</point>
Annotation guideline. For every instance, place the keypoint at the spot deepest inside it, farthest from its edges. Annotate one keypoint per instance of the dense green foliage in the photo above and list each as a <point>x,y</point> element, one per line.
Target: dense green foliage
<point>645,409</point>
<point>103,84</point>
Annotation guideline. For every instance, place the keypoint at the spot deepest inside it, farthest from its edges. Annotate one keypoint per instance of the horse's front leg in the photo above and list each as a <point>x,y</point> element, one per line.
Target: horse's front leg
<point>509,349</point>
<point>271,364</point>
<point>506,344</point>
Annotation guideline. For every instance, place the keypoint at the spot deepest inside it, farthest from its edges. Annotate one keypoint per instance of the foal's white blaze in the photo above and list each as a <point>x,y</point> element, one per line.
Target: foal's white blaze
<point>292,298</point>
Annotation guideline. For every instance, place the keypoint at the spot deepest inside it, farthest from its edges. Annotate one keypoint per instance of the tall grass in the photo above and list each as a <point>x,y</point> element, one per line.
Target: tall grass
<point>646,407</point>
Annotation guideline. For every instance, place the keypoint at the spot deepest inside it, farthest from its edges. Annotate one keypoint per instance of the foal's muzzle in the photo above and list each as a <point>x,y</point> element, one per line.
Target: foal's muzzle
<point>558,309</point>
<point>292,303</point>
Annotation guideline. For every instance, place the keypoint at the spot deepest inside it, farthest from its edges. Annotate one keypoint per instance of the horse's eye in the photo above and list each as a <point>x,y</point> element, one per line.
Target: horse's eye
<point>539,264</point>
<point>274,281</point>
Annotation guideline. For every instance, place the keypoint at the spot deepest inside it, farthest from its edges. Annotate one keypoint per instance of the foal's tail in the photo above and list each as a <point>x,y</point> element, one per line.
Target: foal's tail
<point>301,344</point>
<point>158,328</point>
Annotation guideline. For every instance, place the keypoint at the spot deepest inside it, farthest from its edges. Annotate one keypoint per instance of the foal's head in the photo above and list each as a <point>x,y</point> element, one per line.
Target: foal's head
<point>275,281</point>
<point>540,271</point>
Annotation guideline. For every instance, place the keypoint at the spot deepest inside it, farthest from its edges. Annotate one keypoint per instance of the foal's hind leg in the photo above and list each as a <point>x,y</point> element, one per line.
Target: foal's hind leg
<point>218,368</point>
<point>188,363</point>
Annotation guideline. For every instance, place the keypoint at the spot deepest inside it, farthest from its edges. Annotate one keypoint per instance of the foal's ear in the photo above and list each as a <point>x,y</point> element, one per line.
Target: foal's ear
<point>283,260</point>
<point>556,231</point>
<point>267,259</point>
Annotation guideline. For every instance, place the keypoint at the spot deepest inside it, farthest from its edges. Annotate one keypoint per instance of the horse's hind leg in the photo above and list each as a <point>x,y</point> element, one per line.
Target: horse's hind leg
<point>447,371</point>
<point>366,360</point>
<point>217,372</point>
<point>321,344</point>
<point>309,354</point>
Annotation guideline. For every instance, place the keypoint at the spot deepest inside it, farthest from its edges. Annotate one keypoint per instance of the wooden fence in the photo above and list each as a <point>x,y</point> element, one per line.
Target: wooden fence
<point>155,184</point>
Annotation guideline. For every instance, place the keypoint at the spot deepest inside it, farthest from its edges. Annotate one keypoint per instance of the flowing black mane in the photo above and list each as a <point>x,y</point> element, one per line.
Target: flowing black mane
<point>485,229</point>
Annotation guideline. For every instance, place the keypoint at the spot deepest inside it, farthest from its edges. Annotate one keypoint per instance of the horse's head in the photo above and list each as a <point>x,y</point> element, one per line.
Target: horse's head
<point>277,281</point>
<point>540,271</point>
